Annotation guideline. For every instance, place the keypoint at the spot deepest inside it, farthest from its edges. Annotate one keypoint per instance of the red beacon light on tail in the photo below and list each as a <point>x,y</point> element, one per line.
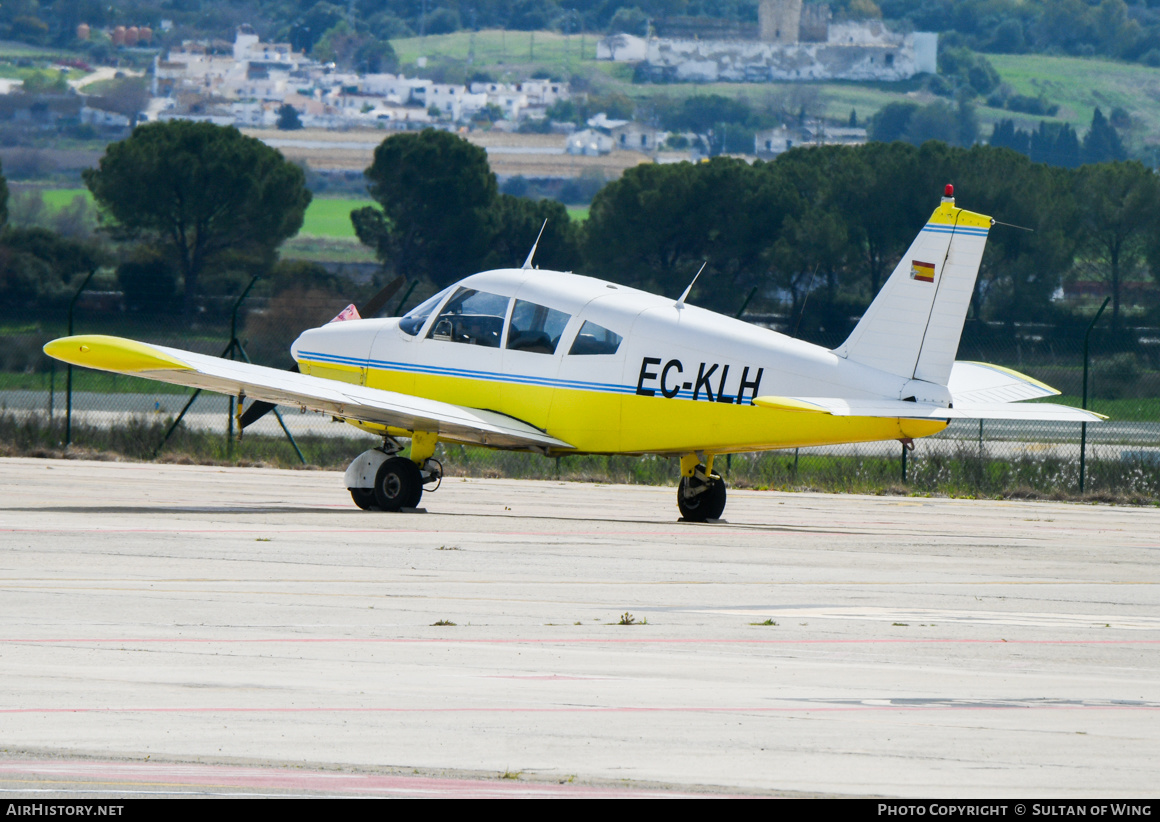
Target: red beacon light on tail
<point>949,192</point>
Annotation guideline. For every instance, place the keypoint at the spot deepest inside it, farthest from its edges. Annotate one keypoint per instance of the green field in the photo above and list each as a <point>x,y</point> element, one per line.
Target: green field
<point>58,198</point>
<point>503,51</point>
<point>324,218</point>
<point>331,217</point>
<point>1079,84</point>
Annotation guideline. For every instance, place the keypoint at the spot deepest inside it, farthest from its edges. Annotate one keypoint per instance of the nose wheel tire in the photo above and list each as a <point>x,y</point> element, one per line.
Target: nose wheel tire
<point>364,498</point>
<point>398,485</point>
<point>707,505</point>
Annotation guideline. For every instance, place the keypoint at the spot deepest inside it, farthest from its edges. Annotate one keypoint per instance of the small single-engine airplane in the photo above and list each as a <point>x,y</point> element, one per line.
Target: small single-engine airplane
<point>558,363</point>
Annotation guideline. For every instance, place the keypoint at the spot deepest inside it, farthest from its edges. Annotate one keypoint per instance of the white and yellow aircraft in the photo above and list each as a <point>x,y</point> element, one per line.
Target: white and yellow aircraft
<point>558,363</point>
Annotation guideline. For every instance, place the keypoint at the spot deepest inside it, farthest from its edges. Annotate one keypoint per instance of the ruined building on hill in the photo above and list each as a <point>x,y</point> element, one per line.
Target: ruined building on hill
<point>791,41</point>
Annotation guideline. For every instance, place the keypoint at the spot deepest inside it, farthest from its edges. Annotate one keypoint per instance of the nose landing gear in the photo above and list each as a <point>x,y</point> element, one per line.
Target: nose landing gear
<point>379,479</point>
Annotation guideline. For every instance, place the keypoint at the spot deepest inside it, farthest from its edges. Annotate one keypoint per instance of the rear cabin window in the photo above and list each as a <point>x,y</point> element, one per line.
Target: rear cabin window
<point>595,339</point>
<point>535,328</point>
<point>471,317</point>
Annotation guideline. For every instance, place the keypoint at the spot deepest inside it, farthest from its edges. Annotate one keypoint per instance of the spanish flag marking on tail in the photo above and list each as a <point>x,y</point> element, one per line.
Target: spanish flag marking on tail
<point>924,272</point>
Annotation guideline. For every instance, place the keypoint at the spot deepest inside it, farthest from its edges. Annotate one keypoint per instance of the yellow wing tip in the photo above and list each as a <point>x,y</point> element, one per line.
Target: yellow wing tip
<point>112,354</point>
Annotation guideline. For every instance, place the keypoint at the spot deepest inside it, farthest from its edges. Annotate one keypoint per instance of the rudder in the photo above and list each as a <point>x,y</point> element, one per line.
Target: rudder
<point>913,327</point>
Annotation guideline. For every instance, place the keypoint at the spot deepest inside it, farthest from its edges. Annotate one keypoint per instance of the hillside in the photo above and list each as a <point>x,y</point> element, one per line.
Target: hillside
<point>1076,84</point>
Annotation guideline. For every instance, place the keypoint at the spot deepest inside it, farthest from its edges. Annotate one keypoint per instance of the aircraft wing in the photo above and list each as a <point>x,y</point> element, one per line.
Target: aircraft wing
<point>838,407</point>
<point>354,402</point>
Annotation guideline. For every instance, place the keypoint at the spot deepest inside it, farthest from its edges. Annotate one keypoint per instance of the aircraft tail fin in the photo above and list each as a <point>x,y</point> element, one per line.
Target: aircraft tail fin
<point>912,328</point>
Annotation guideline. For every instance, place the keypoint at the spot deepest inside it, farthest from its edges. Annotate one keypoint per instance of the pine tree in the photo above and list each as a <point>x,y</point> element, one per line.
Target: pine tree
<point>1102,143</point>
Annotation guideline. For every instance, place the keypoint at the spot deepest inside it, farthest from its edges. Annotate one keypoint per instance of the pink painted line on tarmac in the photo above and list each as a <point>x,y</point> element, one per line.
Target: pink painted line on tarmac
<point>207,777</point>
<point>568,641</point>
<point>574,709</point>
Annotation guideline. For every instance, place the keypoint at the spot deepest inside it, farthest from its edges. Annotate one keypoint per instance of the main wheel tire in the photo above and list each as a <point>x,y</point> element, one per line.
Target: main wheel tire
<point>398,484</point>
<point>364,498</point>
<point>709,504</point>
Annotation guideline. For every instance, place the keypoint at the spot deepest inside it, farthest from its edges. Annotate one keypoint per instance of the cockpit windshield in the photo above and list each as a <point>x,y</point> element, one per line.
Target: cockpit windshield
<point>412,322</point>
<point>471,317</point>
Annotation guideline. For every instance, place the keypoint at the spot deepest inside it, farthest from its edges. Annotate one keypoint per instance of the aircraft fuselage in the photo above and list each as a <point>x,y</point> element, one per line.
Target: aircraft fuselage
<point>608,368</point>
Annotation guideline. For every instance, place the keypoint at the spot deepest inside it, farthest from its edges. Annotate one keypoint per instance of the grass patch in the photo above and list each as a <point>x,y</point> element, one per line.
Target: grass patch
<point>1079,84</point>
<point>325,216</point>
<point>99,382</point>
<point>1113,475</point>
<point>327,249</point>
<point>330,217</point>
<point>139,438</point>
<point>501,48</point>
<point>1138,409</point>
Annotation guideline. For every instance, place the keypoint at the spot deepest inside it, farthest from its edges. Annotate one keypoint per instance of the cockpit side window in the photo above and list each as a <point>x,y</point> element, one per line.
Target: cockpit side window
<point>471,317</point>
<point>412,321</point>
<point>595,339</point>
<point>535,328</point>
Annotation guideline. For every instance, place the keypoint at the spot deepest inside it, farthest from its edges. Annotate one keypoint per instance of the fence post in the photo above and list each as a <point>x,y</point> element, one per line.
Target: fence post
<point>1083,425</point>
<point>234,344</point>
<point>68,378</point>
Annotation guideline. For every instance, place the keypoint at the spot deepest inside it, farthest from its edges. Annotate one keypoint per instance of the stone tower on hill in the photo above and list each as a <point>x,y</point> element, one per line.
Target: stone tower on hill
<point>779,21</point>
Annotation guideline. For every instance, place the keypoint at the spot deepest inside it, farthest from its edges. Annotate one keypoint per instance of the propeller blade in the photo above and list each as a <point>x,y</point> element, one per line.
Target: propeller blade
<point>257,410</point>
<point>375,304</point>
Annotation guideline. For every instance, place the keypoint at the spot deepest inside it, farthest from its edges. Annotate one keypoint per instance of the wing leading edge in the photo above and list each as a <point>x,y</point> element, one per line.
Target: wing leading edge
<point>352,402</point>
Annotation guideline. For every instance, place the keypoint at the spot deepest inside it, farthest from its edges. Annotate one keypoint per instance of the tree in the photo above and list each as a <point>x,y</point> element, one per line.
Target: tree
<point>518,222</point>
<point>435,192</point>
<point>657,224</point>
<point>125,95</point>
<point>3,200</point>
<point>1102,143</point>
<point>200,193</point>
<point>288,119</point>
<point>1118,205</point>
<point>892,121</point>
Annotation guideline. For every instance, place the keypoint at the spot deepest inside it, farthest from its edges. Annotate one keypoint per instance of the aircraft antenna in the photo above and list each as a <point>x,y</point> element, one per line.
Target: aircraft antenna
<point>681,300</point>
<point>532,253</point>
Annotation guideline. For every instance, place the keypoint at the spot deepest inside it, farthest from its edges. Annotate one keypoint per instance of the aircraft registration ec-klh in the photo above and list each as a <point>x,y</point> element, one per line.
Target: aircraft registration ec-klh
<point>557,363</point>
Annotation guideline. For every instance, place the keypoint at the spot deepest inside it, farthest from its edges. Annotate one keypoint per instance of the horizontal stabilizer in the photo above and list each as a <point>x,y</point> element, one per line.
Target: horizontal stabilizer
<point>981,382</point>
<point>349,402</point>
<point>901,409</point>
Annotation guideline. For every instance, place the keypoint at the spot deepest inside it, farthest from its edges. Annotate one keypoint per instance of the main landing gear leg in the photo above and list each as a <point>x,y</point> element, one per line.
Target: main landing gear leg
<point>701,494</point>
<point>381,479</point>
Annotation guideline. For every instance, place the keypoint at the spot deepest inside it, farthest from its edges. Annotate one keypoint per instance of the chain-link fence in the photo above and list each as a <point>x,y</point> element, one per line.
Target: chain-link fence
<point>1119,458</point>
